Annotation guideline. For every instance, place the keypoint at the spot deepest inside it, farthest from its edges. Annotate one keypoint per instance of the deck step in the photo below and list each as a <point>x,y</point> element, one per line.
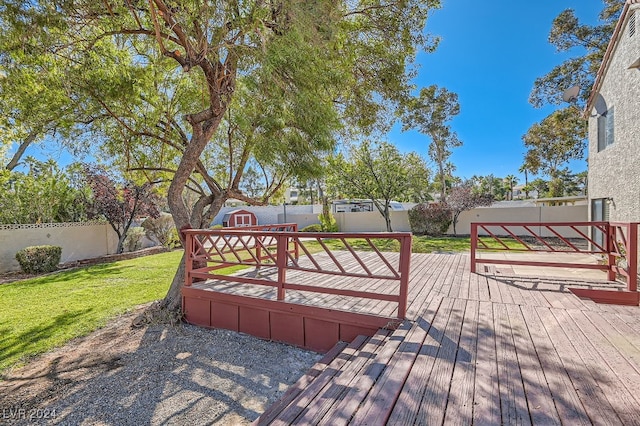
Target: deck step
<point>317,391</point>
<point>296,389</point>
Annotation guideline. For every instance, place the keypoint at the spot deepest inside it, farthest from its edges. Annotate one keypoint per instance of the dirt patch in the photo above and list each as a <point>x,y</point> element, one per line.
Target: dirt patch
<point>158,374</point>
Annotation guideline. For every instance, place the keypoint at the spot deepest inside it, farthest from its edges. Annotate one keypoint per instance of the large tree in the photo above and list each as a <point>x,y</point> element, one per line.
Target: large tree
<point>191,91</point>
<point>378,172</point>
<point>430,113</point>
<point>588,43</point>
<point>552,143</point>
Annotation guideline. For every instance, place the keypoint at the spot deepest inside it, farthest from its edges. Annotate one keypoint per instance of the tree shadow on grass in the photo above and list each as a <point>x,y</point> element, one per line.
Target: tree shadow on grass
<point>12,347</point>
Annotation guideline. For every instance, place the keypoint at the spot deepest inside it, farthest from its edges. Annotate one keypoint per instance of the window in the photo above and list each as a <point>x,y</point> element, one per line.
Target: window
<point>632,23</point>
<point>243,220</point>
<point>605,129</point>
<point>599,213</point>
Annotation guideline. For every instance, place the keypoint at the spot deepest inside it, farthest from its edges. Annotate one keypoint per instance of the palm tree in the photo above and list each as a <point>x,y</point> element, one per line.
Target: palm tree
<point>510,182</point>
<point>525,169</point>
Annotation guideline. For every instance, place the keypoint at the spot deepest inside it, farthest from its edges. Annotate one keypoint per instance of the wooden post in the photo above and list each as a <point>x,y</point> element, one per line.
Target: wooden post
<point>474,245</point>
<point>632,257</point>
<point>405,264</point>
<point>259,240</point>
<point>188,259</point>
<point>611,258</point>
<point>281,262</point>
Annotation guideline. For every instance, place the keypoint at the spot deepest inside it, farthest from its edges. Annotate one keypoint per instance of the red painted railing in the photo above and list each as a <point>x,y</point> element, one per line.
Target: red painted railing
<point>282,247</point>
<point>616,242</point>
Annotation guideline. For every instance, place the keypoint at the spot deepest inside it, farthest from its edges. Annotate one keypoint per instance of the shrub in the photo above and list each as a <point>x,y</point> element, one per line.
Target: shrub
<point>133,240</point>
<point>316,227</point>
<point>430,219</point>
<point>328,222</point>
<point>161,229</point>
<point>39,259</point>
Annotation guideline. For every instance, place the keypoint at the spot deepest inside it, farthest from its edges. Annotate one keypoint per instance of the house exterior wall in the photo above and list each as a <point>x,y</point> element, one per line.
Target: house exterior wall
<point>615,171</point>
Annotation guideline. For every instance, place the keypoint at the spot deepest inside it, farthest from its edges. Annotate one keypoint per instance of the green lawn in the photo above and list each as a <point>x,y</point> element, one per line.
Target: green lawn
<point>421,244</point>
<point>42,313</point>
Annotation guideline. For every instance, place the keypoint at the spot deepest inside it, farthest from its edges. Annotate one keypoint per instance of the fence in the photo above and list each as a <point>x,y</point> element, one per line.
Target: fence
<point>78,241</point>
<point>615,242</point>
<point>281,247</point>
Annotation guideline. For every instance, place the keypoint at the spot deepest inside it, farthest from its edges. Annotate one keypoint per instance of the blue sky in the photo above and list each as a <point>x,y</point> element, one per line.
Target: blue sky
<point>490,54</point>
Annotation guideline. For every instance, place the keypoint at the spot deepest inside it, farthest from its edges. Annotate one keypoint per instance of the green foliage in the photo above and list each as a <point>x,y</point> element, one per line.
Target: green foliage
<point>39,259</point>
<point>421,244</point>
<point>556,140</point>
<point>42,194</point>
<point>587,43</point>
<point>316,227</point>
<point>161,229</point>
<point>328,222</point>
<point>133,240</point>
<point>378,172</point>
<point>429,113</point>
<point>430,219</point>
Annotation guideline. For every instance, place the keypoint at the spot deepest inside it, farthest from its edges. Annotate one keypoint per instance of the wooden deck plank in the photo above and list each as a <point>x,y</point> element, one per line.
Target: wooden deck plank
<point>591,394</point>
<point>459,409</point>
<point>421,289</point>
<point>511,349</point>
<point>344,410</point>
<point>437,387</point>
<point>566,399</point>
<point>483,288</point>
<point>513,402</point>
<point>294,390</point>
<point>293,410</point>
<point>486,397</point>
<point>410,398</point>
<point>624,403</point>
<point>539,398</point>
<point>383,395</point>
<point>342,383</point>
<point>614,356</point>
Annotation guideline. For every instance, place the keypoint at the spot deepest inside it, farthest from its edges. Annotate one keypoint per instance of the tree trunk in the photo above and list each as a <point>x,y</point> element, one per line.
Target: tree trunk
<point>120,248</point>
<point>177,207</point>
<point>173,300</point>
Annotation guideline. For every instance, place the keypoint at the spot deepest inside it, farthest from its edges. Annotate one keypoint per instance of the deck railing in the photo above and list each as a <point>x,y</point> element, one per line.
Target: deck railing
<point>282,247</point>
<point>615,242</point>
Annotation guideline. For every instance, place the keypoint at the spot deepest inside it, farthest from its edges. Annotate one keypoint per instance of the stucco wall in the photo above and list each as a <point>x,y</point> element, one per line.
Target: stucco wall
<point>523,214</point>
<point>78,241</point>
<point>615,171</point>
<point>373,221</point>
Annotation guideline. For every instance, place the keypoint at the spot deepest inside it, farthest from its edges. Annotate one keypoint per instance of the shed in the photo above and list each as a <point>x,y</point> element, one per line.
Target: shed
<point>239,218</point>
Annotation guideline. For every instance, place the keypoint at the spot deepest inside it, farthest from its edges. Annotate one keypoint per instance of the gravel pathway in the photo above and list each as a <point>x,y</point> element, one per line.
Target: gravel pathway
<point>160,374</point>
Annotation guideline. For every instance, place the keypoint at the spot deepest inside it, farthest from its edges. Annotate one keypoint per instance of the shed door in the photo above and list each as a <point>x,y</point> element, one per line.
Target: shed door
<point>243,219</point>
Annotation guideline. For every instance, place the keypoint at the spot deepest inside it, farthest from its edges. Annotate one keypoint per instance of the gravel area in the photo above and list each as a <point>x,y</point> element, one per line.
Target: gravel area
<point>158,374</point>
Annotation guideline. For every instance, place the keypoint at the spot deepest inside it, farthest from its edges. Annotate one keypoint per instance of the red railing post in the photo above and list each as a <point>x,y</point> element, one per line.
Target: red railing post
<point>405,264</point>
<point>474,245</point>
<point>281,262</point>
<point>632,257</point>
<point>611,257</point>
<point>258,240</point>
<point>188,259</point>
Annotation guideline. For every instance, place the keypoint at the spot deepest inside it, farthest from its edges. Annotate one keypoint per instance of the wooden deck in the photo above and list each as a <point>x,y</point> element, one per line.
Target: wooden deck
<point>487,348</point>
